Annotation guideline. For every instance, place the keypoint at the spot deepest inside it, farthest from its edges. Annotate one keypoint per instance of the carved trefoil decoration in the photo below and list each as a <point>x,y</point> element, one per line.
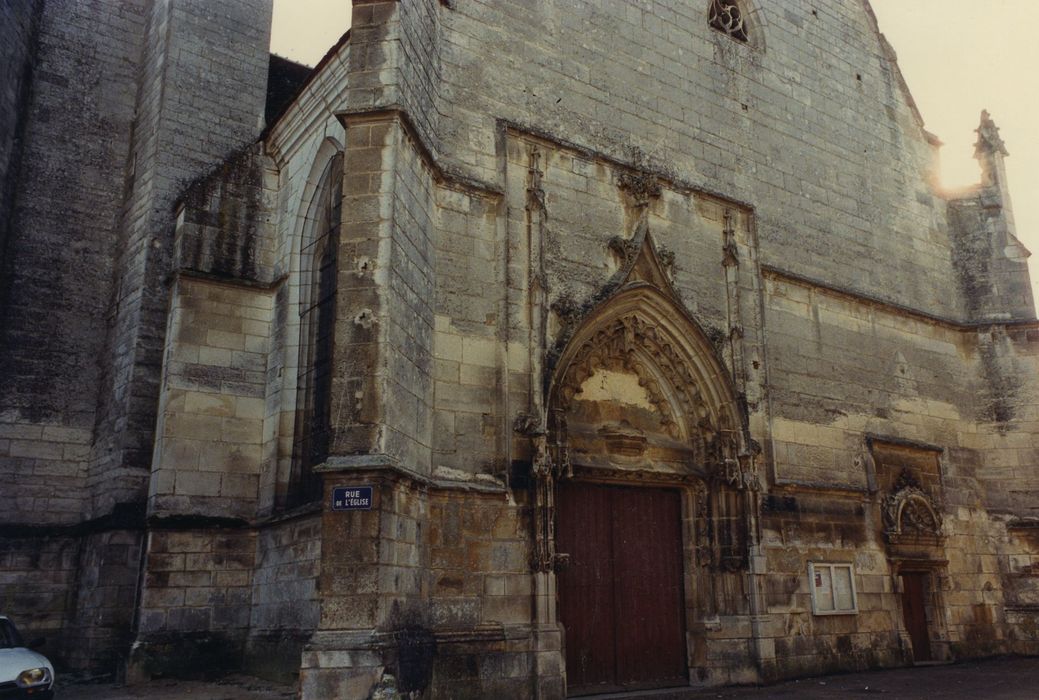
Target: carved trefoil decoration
<point>909,511</point>
<point>727,17</point>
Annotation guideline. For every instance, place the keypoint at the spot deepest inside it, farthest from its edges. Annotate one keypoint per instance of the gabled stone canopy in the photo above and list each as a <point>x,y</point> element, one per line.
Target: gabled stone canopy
<point>641,331</point>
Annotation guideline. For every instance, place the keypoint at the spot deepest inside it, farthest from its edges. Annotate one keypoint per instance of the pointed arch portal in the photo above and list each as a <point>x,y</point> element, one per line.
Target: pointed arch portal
<point>649,452</point>
<point>639,385</point>
<point>641,369</point>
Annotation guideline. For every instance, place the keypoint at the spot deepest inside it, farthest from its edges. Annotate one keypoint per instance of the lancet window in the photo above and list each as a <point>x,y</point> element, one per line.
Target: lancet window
<point>318,253</point>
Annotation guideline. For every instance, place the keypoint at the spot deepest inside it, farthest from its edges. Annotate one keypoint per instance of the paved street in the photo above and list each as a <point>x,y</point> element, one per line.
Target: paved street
<point>232,688</point>
<point>995,679</point>
<point>998,679</point>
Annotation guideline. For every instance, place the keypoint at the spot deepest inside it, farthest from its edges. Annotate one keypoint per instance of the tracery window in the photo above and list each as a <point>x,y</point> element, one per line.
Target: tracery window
<point>318,253</point>
<point>727,17</point>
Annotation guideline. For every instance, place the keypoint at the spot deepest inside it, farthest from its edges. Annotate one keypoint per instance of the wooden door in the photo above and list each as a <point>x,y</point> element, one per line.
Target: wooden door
<point>914,611</point>
<point>621,597</point>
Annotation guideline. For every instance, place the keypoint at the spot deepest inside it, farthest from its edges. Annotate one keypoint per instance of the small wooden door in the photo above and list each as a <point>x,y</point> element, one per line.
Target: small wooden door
<point>914,611</point>
<point>621,597</point>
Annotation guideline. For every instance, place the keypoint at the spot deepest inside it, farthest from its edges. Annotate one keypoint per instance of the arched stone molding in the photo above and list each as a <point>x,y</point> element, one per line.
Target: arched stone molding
<point>299,231</point>
<point>641,327</point>
<point>641,331</point>
<point>911,512</point>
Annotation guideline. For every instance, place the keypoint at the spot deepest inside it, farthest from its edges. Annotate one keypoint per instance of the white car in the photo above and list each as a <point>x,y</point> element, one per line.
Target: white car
<point>24,673</point>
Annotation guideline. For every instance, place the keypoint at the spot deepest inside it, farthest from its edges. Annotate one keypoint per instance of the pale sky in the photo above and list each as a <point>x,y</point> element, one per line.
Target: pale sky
<point>958,57</point>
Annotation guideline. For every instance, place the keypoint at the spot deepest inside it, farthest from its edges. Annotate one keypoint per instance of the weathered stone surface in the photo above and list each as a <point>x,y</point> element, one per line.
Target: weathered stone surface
<point>606,243</point>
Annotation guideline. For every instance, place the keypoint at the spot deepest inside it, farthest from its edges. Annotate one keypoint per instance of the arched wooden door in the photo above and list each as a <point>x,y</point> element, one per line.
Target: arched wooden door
<point>621,598</point>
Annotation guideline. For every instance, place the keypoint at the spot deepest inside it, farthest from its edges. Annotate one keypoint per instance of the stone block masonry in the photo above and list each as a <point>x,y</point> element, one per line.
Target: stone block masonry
<point>97,97</point>
<point>195,601</point>
<point>182,94</point>
<point>18,37</point>
<point>210,431</point>
<point>590,256</point>
<point>285,597</point>
<point>61,209</point>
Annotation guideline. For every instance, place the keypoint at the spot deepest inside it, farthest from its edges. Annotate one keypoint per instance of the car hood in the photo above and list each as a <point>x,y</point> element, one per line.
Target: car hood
<point>14,661</point>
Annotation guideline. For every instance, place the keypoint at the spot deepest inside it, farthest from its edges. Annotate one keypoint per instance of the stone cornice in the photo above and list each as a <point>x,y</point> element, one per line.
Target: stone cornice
<point>774,272</point>
<point>443,175</point>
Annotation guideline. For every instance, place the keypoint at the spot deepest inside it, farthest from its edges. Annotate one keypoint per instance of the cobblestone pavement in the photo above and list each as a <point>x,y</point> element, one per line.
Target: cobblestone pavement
<point>996,679</point>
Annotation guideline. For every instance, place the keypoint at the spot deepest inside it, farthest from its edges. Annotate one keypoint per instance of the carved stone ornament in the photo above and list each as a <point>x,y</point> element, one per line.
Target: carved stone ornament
<point>631,344</point>
<point>702,525</point>
<point>535,190</point>
<point>727,17</point>
<point>527,424</point>
<point>625,248</point>
<point>568,311</point>
<point>910,511</point>
<point>642,186</point>
<point>989,140</point>
<point>667,257</point>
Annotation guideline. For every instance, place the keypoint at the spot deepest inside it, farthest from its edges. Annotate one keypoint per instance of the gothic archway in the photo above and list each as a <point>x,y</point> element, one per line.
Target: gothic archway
<point>650,378</point>
<point>638,378</point>
<point>641,406</point>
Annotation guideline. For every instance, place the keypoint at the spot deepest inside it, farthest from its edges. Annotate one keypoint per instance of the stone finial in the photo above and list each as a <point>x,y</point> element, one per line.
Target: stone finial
<point>989,150</point>
<point>988,142</point>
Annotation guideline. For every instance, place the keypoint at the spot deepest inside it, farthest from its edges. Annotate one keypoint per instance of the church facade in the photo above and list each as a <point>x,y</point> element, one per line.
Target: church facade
<point>525,350</point>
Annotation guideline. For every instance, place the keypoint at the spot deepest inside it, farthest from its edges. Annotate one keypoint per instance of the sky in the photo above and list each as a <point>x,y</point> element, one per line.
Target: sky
<point>957,56</point>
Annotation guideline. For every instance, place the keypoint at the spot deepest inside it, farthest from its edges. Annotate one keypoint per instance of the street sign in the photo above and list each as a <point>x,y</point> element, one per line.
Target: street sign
<point>352,498</point>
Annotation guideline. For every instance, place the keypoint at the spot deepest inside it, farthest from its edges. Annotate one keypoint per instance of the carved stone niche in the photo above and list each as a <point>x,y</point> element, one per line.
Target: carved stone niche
<point>911,517</point>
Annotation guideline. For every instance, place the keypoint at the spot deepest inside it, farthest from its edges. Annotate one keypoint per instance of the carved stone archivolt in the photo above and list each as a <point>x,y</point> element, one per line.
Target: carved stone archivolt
<point>639,392</point>
<point>910,511</point>
<point>631,343</point>
<point>639,328</point>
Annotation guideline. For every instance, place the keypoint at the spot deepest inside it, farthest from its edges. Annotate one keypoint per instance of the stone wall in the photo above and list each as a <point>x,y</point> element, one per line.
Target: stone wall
<point>18,37</point>
<point>373,587</point>
<point>481,596</point>
<point>285,596</point>
<point>501,168</point>
<point>123,105</point>
<point>195,599</point>
<point>98,634</point>
<point>201,96</point>
<point>37,578</point>
<point>834,160</point>
<point>842,369</point>
<point>299,146</point>
<point>60,237</point>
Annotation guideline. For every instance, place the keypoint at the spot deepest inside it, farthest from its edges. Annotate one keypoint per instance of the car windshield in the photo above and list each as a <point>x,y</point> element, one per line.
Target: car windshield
<point>9,636</point>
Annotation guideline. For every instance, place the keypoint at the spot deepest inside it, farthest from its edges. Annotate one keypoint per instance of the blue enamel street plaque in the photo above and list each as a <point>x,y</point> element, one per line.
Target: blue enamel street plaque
<point>352,498</point>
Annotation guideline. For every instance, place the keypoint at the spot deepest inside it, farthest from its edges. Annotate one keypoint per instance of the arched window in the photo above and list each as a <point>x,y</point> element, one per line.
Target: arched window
<point>727,17</point>
<point>318,252</point>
